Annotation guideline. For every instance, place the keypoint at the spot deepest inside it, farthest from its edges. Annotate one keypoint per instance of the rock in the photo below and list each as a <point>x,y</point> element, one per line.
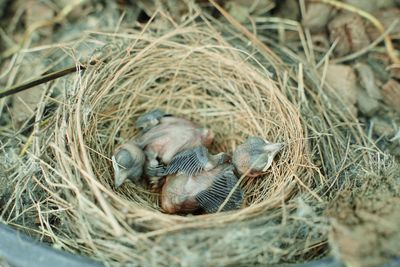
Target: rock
<point>366,104</point>
<point>391,94</point>
<point>343,82</point>
<point>348,29</point>
<point>369,93</point>
<point>317,16</point>
<point>367,80</point>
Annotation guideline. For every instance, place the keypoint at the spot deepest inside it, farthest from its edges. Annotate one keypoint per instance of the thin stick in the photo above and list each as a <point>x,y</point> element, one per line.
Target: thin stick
<point>46,78</point>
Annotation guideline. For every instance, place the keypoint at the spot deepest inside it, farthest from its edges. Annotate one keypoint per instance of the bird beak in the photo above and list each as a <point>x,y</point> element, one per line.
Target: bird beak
<point>272,149</point>
<point>119,180</point>
<point>119,177</point>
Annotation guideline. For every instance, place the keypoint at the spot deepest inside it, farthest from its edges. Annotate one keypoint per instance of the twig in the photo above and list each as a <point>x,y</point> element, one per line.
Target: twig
<point>46,78</point>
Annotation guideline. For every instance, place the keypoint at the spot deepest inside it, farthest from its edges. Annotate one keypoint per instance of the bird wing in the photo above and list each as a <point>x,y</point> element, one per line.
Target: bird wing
<point>190,161</point>
<point>212,198</point>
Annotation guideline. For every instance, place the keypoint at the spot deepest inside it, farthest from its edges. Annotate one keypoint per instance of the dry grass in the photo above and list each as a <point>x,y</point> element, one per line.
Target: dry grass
<point>201,72</point>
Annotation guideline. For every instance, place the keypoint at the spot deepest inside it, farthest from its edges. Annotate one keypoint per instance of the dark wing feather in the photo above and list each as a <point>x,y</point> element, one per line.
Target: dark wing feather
<point>191,161</point>
<point>211,199</point>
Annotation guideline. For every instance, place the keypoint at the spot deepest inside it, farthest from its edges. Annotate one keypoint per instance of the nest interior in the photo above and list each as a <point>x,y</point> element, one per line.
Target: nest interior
<point>194,72</point>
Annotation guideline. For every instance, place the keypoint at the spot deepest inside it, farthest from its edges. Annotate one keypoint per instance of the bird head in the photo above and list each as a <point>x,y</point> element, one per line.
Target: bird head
<point>255,156</point>
<point>128,163</point>
<point>149,120</point>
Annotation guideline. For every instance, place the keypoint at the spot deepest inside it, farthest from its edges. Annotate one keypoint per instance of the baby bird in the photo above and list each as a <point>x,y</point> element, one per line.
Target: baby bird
<point>206,191</point>
<point>255,156</point>
<point>163,140</point>
<point>195,160</point>
<point>128,162</point>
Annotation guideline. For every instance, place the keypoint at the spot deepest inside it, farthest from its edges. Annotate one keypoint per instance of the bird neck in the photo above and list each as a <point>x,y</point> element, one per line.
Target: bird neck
<point>218,159</point>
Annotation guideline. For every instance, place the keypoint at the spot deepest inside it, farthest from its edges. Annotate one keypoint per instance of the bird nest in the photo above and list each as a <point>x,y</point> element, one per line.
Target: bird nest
<point>191,72</point>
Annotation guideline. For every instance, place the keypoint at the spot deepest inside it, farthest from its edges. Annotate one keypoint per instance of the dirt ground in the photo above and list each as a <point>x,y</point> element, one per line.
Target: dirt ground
<point>365,222</point>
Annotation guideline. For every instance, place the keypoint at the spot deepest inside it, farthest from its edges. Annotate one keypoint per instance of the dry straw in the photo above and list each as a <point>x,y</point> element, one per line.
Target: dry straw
<point>209,76</point>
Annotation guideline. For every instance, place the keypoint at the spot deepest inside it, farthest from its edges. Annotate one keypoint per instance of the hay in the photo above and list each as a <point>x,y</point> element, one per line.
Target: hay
<point>220,82</point>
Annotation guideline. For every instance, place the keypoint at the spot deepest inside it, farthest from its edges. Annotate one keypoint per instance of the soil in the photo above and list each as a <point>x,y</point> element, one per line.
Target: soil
<point>365,221</point>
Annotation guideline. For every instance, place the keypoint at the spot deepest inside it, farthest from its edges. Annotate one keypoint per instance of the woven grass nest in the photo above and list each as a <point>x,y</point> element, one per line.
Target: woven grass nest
<point>197,73</point>
<point>188,73</point>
